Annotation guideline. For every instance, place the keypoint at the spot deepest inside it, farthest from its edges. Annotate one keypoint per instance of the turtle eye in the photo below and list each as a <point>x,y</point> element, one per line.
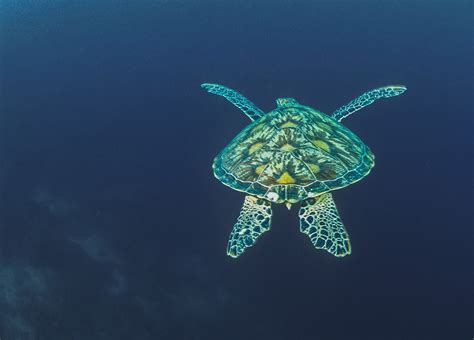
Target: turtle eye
<point>272,196</point>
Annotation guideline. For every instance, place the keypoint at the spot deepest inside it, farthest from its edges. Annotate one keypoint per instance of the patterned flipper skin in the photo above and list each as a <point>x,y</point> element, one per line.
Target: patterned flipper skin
<point>320,220</point>
<point>249,108</point>
<point>366,99</point>
<point>253,221</point>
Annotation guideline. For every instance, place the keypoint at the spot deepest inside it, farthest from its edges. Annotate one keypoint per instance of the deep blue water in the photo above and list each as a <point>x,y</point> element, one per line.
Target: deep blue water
<point>113,226</point>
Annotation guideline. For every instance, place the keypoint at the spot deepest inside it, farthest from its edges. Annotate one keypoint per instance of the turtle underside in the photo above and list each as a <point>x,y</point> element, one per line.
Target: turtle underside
<point>293,153</point>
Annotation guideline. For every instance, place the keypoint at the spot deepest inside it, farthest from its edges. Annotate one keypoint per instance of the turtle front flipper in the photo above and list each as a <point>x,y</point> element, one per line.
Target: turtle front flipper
<point>253,221</point>
<point>249,108</point>
<point>320,220</point>
<point>366,99</point>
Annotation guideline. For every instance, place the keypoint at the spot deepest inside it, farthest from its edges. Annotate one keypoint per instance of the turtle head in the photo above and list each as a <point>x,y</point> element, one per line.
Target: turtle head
<point>282,102</point>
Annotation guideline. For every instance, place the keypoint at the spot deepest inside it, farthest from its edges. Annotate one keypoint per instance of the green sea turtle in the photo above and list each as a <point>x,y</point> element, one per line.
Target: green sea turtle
<point>292,154</point>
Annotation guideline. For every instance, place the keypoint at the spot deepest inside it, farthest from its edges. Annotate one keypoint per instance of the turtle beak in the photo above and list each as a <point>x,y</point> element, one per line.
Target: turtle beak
<point>288,205</point>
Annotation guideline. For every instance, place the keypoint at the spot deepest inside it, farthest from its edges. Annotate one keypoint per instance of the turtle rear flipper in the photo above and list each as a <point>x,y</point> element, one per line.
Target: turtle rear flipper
<point>253,221</point>
<point>249,108</point>
<point>320,220</point>
<point>366,99</point>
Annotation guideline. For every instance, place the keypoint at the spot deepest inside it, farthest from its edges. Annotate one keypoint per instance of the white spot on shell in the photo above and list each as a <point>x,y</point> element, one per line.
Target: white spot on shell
<point>273,196</point>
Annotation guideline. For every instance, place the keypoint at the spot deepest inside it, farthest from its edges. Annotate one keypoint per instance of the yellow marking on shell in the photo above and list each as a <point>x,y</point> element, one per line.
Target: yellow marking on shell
<point>322,145</point>
<point>287,147</point>
<point>288,124</point>
<point>286,179</point>
<point>255,147</point>
<point>314,168</point>
<point>259,169</point>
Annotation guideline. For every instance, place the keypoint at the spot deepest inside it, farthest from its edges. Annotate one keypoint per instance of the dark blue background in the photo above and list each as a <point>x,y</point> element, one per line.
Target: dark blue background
<point>106,135</point>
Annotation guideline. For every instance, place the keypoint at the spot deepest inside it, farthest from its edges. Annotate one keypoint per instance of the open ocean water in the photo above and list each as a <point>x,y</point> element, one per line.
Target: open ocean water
<point>112,225</point>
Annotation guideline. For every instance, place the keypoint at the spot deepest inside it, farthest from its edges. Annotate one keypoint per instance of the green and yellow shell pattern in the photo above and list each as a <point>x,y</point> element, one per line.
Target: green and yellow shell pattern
<point>293,154</point>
